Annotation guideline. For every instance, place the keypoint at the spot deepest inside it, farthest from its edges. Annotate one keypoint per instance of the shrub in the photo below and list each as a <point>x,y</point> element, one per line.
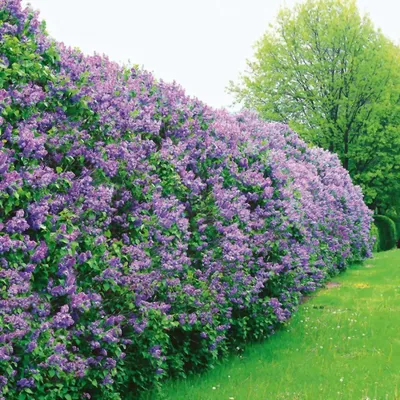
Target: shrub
<point>387,232</point>
<point>396,221</point>
<point>375,238</point>
<point>142,233</point>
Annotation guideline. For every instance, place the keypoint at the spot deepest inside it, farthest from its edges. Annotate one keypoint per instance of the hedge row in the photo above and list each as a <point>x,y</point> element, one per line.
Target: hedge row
<point>375,235</point>
<point>142,233</point>
<point>396,221</point>
<point>387,238</point>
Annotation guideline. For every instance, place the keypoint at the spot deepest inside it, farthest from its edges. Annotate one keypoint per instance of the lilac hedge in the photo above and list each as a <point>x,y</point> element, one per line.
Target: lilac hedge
<point>142,233</point>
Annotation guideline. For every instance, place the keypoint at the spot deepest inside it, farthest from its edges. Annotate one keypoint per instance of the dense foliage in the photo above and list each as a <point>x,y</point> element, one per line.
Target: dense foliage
<point>397,224</point>
<point>376,238</point>
<point>396,221</point>
<point>328,72</point>
<point>387,232</point>
<point>142,233</point>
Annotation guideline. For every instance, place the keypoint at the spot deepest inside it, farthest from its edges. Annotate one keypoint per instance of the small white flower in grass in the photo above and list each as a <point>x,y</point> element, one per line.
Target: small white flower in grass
<point>229,376</point>
<point>231,398</point>
<point>341,379</point>
<point>214,388</point>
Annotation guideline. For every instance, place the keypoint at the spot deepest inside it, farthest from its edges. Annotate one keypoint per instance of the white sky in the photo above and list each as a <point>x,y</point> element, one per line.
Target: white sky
<point>200,44</point>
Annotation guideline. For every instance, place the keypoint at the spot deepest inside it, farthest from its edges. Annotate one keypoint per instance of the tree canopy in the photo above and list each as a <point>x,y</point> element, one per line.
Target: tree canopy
<point>323,68</point>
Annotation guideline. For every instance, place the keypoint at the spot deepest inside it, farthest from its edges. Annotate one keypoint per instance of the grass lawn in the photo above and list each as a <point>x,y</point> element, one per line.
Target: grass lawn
<point>344,343</point>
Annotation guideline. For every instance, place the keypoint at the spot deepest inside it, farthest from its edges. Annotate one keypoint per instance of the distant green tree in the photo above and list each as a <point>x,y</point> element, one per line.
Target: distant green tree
<point>327,72</point>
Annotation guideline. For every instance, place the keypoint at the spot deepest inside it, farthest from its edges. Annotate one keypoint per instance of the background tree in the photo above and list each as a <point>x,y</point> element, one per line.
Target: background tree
<point>327,72</point>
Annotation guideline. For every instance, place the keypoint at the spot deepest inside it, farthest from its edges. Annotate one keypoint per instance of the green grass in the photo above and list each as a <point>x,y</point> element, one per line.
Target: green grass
<point>344,343</point>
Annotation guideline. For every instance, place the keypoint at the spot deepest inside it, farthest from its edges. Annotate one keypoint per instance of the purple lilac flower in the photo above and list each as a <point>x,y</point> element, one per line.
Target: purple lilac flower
<point>17,224</point>
<point>63,319</point>
<point>26,383</point>
<point>3,381</point>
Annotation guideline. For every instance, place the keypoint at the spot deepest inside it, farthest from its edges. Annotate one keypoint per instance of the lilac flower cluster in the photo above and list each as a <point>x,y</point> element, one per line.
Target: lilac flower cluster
<point>142,233</point>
